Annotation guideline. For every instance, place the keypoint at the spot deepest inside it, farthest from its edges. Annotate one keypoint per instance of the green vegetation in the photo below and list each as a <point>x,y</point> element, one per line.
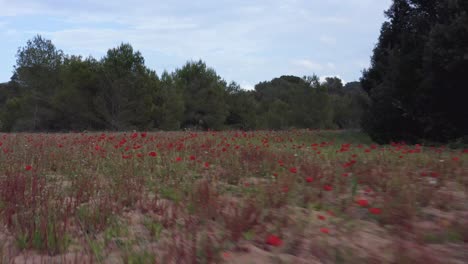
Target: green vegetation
<point>52,91</point>
<point>417,78</point>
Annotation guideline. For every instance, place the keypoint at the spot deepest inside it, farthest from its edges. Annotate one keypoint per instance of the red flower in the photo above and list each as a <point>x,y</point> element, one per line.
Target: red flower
<point>327,188</point>
<point>274,241</point>
<point>178,159</point>
<point>226,255</point>
<point>324,230</point>
<point>363,202</point>
<point>321,217</point>
<point>309,179</point>
<point>152,154</point>
<point>375,211</point>
<point>192,157</point>
<point>28,167</point>
<point>293,170</point>
<point>455,158</point>
<point>207,165</point>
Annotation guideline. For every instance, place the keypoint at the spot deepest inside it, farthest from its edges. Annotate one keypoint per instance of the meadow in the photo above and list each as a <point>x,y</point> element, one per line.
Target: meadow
<point>298,196</point>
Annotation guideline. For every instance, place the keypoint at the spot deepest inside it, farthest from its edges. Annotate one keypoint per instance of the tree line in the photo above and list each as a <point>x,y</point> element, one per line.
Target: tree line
<point>52,91</point>
<point>415,89</point>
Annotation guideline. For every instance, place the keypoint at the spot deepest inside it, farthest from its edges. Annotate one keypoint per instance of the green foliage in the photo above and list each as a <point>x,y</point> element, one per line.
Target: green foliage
<point>416,81</point>
<point>154,227</point>
<point>204,96</point>
<point>51,91</point>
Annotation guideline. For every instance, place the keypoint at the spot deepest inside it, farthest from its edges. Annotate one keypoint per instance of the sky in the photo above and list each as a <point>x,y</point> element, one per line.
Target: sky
<point>247,41</point>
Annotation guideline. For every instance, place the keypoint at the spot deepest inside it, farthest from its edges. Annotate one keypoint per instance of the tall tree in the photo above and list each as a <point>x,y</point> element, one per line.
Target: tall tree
<point>37,73</point>
<point>204,96</point>
<point>125,98</point>
<point>415,81</point>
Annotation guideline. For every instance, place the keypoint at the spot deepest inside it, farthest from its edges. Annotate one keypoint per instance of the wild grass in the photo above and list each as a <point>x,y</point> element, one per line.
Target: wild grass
<point>210,197</point>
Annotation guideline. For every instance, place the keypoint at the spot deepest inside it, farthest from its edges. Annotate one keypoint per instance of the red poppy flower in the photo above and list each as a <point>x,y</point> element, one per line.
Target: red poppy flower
<point>293,170</point>
<point>28,167</point>
<point>327,188</point>
<point>226,255</point>
<point>153,154</point>
<point>274,241</point>
<point>178,159</point>
<point>375,211</point>
<point>321,217</point>
<point>192,157</point>
<point>362,202</point>
<point>324,230</point>
<point>309,179</point>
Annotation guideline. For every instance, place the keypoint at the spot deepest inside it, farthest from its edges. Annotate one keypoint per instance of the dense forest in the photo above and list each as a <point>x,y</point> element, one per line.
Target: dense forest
<point>417,81</point>
<point>414,90</point>
<point>52,91</point>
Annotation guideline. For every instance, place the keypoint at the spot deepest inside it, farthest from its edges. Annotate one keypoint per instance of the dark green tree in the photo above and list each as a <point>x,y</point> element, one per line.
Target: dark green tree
<point>416,79</point>
<point>37,73</point>
<point>74,100</point>
<point>169,104</point>
<point>127,89</point>
<point>242,108</point>
<point>204,96</point>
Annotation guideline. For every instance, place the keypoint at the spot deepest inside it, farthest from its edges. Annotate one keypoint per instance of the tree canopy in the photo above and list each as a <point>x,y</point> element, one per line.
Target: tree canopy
<point>417,79</point>
<point>53,91</point>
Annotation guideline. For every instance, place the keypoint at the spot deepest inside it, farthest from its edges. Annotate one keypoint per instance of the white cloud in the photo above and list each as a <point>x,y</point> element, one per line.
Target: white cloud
<point>251,40</point>
<point>308,64</point>
<point>331,65</point>
<point>328,40</point>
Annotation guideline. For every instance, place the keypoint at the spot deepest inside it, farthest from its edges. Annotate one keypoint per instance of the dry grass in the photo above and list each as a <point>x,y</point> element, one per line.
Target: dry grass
<point>211,197</point>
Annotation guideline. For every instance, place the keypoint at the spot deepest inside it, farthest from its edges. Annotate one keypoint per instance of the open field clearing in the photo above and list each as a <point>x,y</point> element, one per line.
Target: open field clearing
<point>230,197</point>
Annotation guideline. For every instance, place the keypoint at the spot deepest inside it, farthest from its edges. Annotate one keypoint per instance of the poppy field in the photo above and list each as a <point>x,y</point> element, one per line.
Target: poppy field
<point>298,196</point>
